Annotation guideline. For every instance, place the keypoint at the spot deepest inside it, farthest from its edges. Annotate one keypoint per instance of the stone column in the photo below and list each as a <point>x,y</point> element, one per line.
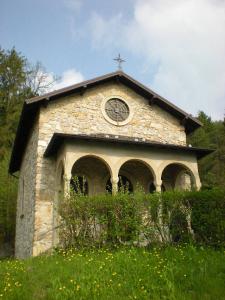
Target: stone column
<point>67,178</point>
<point>114,181</point>
<point>164,235</point>
<point>197,183</point>
<point>158,184</point>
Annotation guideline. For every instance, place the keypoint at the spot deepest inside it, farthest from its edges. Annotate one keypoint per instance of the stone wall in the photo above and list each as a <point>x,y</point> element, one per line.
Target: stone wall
<point>26,199</point>
<point>82,114</point>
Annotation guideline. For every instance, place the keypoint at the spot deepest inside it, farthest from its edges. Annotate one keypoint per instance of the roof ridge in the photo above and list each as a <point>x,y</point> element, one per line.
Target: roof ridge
<point>74,86</point>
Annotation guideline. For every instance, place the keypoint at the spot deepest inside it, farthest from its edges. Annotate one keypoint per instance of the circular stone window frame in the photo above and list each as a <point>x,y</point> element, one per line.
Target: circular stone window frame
<point>122,123</point>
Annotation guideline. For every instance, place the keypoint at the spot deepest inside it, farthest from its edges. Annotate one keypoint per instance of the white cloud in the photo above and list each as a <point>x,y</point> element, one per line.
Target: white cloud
<point>49,81</point>
<point>68,78</point>
<point>185,39</point>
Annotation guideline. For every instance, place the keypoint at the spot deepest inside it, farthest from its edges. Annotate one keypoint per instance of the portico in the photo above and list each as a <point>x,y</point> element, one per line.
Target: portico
<point>103,161</point>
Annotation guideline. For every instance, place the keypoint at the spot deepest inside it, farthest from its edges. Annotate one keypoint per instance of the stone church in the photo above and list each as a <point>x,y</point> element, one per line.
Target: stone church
<point>107,131</point>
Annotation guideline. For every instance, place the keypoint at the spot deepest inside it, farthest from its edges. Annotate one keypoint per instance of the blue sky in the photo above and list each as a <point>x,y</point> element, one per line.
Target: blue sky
<point>176,47</point>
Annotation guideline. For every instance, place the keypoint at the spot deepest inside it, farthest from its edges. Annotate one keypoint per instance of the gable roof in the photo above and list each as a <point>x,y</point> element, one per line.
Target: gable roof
<point>31,108</point>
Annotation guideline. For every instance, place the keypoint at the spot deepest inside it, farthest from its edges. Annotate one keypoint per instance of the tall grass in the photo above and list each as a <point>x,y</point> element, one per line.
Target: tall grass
<point>182,272</point>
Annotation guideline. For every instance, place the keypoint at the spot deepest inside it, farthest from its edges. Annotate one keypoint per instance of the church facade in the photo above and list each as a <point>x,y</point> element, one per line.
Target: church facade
<point>110,130</point>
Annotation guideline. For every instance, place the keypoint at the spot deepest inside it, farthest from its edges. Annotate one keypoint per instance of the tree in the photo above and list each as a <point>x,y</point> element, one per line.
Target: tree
<point>211,135</point>
<point>19,80</point>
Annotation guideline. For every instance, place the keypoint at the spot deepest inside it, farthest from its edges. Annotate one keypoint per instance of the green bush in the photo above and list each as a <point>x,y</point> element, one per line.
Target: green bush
<point>139,218</point>
<point>100,219</point>
<point>8,194</point>
<point>208,216</point>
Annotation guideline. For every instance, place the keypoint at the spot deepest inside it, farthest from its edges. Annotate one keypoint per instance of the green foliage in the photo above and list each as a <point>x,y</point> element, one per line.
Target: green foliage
<point>144,218</point>
<point>211,135</point>
<point>182,272</point>
<point>100,219</point>
<point>208,216</point>
<point>18,81</point>
<point>13,92</point>
<point>8,193</point>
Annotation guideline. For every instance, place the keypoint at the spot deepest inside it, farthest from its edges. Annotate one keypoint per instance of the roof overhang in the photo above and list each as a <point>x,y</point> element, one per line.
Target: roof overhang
<point>58,139</point>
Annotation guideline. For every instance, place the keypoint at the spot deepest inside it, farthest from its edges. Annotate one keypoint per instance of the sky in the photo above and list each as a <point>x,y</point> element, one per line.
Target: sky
<point>175,47</point>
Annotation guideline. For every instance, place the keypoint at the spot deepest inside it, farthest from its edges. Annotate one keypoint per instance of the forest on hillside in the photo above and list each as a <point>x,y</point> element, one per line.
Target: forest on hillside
<point>20,80</point>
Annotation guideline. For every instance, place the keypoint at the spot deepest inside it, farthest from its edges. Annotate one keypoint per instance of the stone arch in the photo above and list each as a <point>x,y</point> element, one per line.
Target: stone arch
<point>177,175</point>
<point>139,172</point>
<point>94,169</point>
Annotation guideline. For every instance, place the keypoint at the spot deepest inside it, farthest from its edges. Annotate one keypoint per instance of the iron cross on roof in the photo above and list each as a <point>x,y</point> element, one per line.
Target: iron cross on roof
<point>119,60</point>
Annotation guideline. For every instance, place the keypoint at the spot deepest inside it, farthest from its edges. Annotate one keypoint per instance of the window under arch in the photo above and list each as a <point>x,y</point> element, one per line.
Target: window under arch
<point>124,185</point>
<point>79,185</point>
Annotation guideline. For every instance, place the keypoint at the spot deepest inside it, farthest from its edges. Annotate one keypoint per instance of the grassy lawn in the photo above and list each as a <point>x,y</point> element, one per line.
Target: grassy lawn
<point>183,272</point>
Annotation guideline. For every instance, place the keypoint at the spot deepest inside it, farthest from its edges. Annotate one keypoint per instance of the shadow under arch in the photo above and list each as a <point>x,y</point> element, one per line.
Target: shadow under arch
<point>59,194</point>
<point>89,173</point>
<point>60,177</point>
<point>177,175</point>
<point>139,173</point>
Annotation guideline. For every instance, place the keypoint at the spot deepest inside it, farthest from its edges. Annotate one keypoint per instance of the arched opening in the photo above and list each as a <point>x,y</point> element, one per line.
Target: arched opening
<point>89,175</point>
<point>139,174</point>
<point>177,177</point>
